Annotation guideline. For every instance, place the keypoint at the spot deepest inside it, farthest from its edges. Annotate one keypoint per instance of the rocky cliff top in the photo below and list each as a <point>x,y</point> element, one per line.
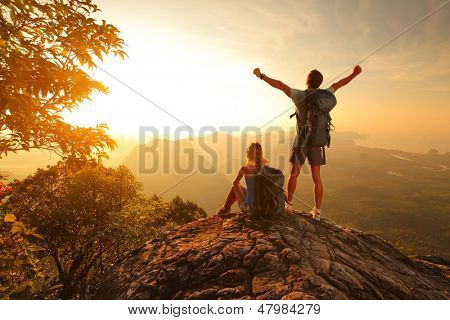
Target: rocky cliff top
<point>278,258</point>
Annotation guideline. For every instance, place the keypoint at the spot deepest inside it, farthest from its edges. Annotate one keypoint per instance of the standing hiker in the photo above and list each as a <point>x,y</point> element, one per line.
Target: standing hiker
<point>313,127</point>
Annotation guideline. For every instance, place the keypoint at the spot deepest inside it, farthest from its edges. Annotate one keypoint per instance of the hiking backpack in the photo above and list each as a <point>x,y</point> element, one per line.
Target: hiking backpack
<point>269,193</point>
<point>316,131</point>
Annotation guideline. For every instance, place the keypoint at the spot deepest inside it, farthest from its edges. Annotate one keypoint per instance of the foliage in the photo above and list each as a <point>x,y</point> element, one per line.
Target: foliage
<point>20,272</point>
<point>4,189</point>
<point>146,217</point>
<point>88,217</point>
<point>184,212</point>
<point>44,49</point>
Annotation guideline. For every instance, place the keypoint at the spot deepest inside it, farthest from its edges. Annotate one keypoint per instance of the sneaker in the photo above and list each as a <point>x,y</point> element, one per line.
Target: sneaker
<point>245,208</point>
<point>315,215</point>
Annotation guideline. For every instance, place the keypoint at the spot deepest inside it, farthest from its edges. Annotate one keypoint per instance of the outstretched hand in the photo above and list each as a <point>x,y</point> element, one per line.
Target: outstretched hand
<point>357,70</point>
<point>257,72</point>
<point>343,82</point>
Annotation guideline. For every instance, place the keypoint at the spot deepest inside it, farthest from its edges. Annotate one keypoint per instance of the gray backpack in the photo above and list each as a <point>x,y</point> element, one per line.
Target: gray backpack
<point>269,193</point>
<point>316,131</point>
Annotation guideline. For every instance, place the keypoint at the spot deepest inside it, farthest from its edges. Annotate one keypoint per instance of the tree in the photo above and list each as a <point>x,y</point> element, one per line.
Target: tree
<point>45,48</point>
<point>145,217</point>
<point>183,212</point>
<point>71,206</point>
<point>84,217</point>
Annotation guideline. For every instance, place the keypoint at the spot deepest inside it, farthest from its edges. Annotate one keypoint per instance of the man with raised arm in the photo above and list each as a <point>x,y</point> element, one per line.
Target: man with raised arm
<point>302,150</point>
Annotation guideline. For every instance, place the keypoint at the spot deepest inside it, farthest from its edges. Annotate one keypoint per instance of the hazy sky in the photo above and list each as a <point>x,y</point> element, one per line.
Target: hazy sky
<point>195,58</point>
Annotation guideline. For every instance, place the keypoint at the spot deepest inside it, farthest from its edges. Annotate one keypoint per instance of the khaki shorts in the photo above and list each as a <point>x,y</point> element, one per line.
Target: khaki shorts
<point>315,156</point>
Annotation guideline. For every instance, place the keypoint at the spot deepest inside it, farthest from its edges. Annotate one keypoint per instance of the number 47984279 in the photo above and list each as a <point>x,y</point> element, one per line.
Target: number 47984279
<point>275,308</point>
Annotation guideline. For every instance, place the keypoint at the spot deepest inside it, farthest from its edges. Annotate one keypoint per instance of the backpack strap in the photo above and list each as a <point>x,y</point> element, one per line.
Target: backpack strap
<point>330,127</point>
<point>323,155</point>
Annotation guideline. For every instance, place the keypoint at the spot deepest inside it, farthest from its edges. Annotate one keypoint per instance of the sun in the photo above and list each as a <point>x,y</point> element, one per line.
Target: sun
<point>170,83</point>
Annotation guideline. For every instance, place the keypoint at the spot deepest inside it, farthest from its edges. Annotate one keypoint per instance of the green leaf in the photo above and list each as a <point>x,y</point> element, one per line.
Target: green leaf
<point>55,287</point>
<point>19,224</point>
<point>16,229</point>
<point>3,288</point>
<point>10,218</point>
<point>7,257</point>
<point>13,17</point>
<point>35,248</point>
<point>34,234</point>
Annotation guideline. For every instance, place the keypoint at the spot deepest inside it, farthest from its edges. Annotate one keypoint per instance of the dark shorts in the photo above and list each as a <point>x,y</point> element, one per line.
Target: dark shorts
<point>315,156</point>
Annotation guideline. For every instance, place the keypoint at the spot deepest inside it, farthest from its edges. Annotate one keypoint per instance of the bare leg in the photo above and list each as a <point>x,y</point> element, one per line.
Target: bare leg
<point>318,187</point>
<point>231,197</point>
<point>292,183</point>
<point>239,193</point>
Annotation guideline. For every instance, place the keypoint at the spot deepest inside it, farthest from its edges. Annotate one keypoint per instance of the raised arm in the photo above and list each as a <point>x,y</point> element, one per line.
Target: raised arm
<point>274,83</point>
<point>356,71</point>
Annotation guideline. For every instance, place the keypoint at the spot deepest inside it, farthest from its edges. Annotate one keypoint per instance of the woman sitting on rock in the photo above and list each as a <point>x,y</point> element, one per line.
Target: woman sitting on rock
<point>245,195</point>
<point>264,194</point>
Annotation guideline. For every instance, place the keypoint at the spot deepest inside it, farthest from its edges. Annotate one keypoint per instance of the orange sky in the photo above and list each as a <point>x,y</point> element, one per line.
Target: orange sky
<point>194,59</point>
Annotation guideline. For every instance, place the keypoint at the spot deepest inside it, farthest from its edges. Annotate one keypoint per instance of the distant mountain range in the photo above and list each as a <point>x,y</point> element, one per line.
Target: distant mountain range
<point>401,196</point>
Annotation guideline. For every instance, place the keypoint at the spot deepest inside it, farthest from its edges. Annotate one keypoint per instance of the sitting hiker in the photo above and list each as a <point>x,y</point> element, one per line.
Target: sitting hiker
<point>264,193</point>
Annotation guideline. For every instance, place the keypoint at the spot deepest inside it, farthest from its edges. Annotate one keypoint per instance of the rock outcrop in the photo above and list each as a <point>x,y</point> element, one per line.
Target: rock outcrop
<point>278,258</point>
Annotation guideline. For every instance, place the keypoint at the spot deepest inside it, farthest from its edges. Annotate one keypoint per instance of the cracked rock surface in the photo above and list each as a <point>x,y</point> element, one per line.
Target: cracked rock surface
<point>291,257</point>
